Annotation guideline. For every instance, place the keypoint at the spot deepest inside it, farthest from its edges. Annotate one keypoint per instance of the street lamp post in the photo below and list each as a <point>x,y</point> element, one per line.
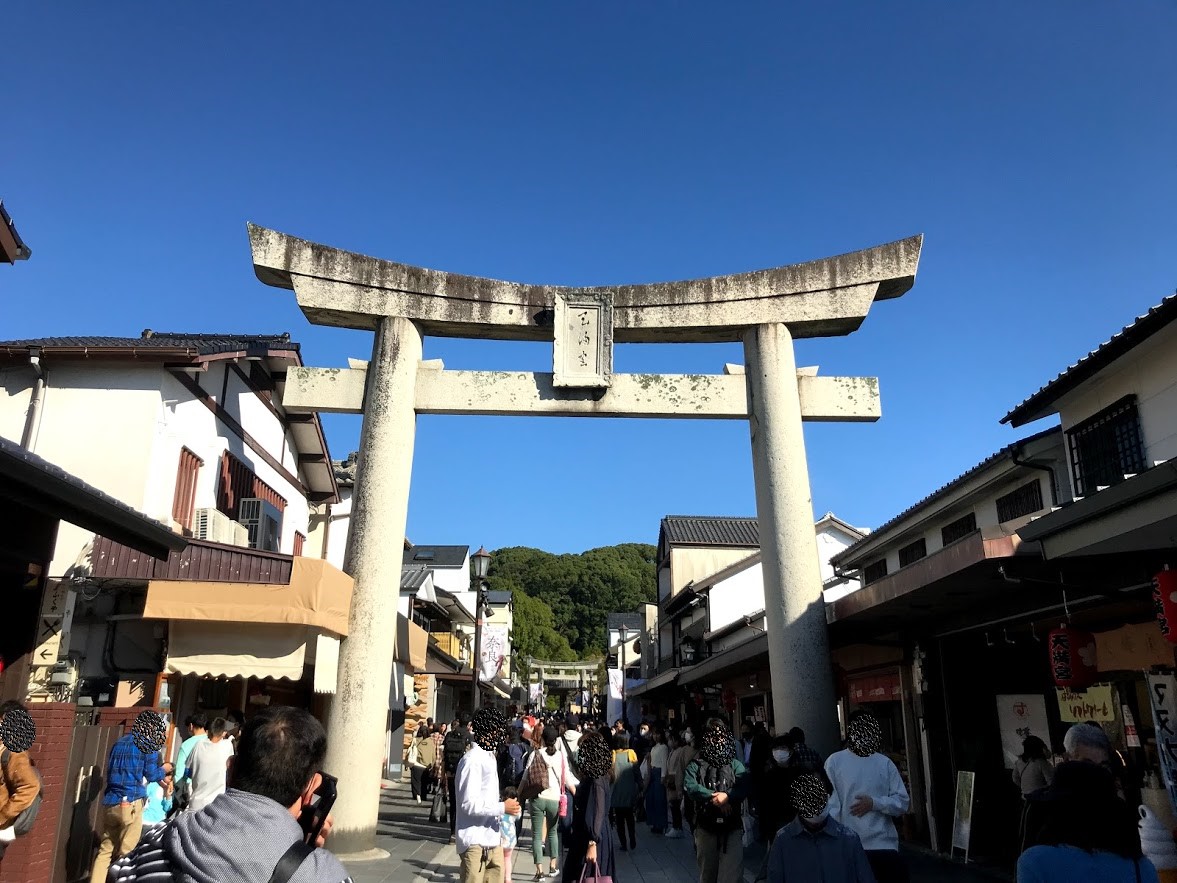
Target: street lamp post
<point>481,560</point>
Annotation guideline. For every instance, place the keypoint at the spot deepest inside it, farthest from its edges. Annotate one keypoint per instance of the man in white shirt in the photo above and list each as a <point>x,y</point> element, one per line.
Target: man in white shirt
<point>209,764</point>
<point>868,793</point>
<point>478,809</point>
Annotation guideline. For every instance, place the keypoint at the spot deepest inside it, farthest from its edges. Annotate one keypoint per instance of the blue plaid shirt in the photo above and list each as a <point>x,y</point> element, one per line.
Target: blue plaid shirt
<point>126,771</point>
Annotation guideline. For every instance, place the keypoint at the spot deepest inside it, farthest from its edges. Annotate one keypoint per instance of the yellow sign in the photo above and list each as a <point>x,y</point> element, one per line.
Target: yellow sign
<point>1093,704</point>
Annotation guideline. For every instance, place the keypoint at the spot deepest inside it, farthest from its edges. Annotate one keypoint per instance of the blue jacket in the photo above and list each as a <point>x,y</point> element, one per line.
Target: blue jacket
<point>832,854</point>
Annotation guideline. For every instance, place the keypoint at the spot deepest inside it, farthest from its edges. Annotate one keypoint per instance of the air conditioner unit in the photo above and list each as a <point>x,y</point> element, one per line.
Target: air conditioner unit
<point>217,527</point>
<point>263,521</point>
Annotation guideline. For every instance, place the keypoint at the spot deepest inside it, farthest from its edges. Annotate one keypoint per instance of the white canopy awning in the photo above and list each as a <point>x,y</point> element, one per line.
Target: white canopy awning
<point>236,650</point>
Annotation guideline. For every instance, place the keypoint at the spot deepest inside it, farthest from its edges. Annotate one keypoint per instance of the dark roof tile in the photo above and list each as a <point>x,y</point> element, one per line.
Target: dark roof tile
<point>200,344</point>
<point>1128,337</point>
<point>710,530</point>
<point>939,492</point>
<point>435,556</point>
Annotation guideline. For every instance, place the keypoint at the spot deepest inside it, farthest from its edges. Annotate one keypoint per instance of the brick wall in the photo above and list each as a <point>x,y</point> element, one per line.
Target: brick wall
<point>30,858</point>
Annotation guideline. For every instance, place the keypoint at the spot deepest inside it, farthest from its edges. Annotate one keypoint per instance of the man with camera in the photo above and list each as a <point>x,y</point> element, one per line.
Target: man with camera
<point>266,828</point>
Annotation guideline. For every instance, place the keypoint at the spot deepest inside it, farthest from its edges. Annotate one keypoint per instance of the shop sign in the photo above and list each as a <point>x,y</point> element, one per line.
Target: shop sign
<point>1162,694</point>
<point>1020,715</point>
<point>1093,704</point>
<point>876,688</point>
<point>962,817</point>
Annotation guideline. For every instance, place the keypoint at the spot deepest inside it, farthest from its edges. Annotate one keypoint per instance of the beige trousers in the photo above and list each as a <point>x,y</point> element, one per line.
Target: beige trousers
<point>121,826</point>
<point>474,871</point>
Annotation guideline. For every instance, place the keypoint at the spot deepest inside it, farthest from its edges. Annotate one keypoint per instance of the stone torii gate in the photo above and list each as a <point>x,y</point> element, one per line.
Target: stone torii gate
<point>765,310</point>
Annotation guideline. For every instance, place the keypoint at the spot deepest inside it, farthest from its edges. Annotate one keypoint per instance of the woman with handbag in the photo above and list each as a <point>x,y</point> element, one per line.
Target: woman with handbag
<point>590,845</point>
<point>543,783</point>
<point>417,765</point>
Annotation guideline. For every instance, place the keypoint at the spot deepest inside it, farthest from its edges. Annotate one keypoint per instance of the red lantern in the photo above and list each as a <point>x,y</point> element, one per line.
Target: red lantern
<point>1164,602</point>
<point>1072,657</point>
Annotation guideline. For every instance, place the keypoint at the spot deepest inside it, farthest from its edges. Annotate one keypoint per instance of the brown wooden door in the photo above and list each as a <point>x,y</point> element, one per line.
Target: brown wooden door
<point>80,827</point>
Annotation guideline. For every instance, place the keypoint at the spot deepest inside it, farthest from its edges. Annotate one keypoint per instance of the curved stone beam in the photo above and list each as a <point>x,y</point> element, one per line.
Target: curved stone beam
<point>816,299</point>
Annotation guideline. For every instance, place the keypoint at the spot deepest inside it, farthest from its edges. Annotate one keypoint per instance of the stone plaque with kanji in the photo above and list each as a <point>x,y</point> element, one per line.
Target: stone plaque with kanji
<point>583,342</point>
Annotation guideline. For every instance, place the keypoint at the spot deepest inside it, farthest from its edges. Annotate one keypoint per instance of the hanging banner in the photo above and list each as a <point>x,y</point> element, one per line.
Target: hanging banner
<point>1131,737</point>
<point>493,651</point>
<point>615,684</point>
<point>1020,715</point>
<point>1093,704</point>
<point>1162,694</point>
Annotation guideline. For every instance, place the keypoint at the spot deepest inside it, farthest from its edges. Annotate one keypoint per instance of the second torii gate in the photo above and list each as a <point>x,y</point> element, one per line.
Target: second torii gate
<point>765,310</point>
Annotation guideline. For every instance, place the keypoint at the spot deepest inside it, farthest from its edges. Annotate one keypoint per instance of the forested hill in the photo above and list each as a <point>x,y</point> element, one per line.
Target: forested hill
<point>561,601</point>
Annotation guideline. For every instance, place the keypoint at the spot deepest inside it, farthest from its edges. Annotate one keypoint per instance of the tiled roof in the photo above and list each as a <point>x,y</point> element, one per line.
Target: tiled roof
<point>412,579</point>
<point>345,470</point>
<point>939,492</point>
<point>200,344</point>
<point>710,530</point>
<point>435,556</point>
<point>1037,405</point>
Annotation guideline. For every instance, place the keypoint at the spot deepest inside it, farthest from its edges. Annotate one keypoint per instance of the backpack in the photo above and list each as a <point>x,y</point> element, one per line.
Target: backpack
<point>512,759</point>
<point>455,745</point>
<point>536,779</point>
<point>24,821</point>
<point>709,817</point>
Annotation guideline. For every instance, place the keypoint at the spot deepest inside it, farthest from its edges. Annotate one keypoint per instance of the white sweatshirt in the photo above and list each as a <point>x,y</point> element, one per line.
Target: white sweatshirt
<point>875,777</point>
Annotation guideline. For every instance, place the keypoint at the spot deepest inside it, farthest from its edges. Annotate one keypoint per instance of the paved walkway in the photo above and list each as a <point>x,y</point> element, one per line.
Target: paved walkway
<point>420,852</point>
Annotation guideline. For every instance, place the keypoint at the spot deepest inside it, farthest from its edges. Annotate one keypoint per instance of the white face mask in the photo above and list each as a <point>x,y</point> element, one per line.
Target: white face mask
<point>781,755</point>
<point>817,820</point>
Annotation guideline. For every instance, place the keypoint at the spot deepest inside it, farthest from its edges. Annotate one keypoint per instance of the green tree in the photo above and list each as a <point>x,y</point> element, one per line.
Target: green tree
<point>579,590</point>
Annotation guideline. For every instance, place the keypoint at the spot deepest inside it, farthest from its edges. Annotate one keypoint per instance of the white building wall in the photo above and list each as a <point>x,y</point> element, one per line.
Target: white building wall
<point>340,521</point>
<point>121,426</point>
<point>99,423</point>
<point>16,390</point>
<point>737,596</point>
<point>696,563</point>
<point>1150,372</point>
<point>453,579</point>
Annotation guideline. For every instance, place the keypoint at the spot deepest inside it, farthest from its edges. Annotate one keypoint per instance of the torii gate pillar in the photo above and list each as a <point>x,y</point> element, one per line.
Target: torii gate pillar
<point>794,609</point>
<point>764,309</point>
<point>380,504</point>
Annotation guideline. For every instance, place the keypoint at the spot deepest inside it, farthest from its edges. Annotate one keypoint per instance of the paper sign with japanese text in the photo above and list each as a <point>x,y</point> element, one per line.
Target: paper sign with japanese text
<point>1093,704</point>
<point>1020,715</point>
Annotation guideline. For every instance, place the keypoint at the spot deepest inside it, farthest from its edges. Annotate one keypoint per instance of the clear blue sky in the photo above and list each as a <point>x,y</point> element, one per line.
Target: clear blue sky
<point>1034,144</point>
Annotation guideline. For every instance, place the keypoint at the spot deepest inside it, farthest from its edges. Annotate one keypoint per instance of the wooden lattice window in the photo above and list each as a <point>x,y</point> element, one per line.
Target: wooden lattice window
<point>184,498</point>
<point>913,552</point>
<point>1021,501</point>
<point>299,539</point>
<point>874,571</point>
<point>959,529</point>
<point>1106,447</point>
<point>238,482</point>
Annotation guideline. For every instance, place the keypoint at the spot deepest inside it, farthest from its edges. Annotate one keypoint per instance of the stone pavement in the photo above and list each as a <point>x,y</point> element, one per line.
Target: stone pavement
<point>420,852</point>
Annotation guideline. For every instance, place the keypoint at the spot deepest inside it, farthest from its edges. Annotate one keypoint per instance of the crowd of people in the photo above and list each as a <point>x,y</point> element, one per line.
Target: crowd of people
<point>237,803</point>
<point>588,787</point>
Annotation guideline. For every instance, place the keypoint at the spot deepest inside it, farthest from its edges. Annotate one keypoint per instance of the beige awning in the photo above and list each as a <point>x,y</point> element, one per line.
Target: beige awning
<point>318,594</point>
<point>412,642</point>
<point>226,650</point>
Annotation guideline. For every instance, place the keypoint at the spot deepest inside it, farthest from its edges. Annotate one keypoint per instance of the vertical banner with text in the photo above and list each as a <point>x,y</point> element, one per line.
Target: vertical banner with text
<point>1162,693</point>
